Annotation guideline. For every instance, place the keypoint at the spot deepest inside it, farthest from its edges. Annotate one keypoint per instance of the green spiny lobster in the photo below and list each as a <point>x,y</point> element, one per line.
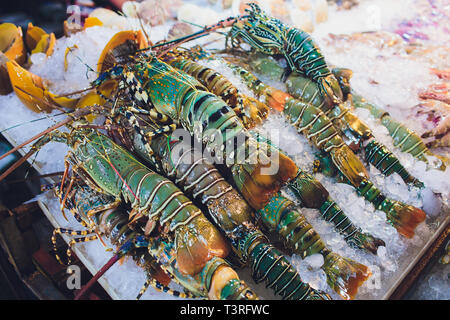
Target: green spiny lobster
<point>99,213</point>
<point>403,217</point>
<point>154,85</point>
<point>357,133</point>
<point>271,36</point>
<point>310,191</point>
<point>196,176</point>
<point>180,236</point>
<point>282,216</point>
<point>320,131</point>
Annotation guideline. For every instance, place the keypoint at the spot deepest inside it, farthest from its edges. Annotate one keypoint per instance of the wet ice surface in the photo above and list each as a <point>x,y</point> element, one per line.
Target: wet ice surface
<point>127,279</point>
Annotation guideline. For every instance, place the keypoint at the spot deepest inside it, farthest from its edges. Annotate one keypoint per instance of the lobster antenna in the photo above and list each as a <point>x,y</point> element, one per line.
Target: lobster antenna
<point>31,121</point>
<point>59,173</point>
<point>203,27</point>
<point>77,114</point>
<point>31,165</point>
<point>142,26</point>
<point>206,30</point>
<point>74,92</point>
<point>191,36</point>
<point>88,67</point>
<point>52,105</point>
<point>127,246</point>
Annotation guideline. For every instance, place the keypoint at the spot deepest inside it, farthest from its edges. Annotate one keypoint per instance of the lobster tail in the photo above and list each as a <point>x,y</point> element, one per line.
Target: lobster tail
<point>261,180</point>
<point>225,284</point>
<point>330,89</point>
<point>237,290</point>
<point>403,217</point>
<point>309,190</point>
<point>269,265</point>
<point>313,195</point>
<point>349,165</point>
<point>344,275</point>
<point>366,241</point>
<point>343,75</point>
<point>281,215</point>
<point>215,280</point>
<point>352,235</point>
<point>254,111</point>
<point>387,163</point>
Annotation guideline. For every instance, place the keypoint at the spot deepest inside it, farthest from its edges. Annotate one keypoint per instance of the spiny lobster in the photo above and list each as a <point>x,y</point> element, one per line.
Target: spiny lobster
<point>179,235</point>
<point>357,134</point>
<point>199,178</point>
<point>309,190</point>
<point>271,36</point>
<point>403,217</point>
<point>321,133</point>
<point>209,119</point>
<point>99,213</point>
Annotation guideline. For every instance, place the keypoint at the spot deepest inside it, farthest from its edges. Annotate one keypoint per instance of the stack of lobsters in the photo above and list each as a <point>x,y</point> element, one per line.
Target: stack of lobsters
<point>176,176</point>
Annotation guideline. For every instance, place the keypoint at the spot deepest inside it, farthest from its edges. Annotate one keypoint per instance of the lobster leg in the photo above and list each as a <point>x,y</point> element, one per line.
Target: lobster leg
<point>162,288</point>
<point>152,113</point>
<point>71,243</point>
